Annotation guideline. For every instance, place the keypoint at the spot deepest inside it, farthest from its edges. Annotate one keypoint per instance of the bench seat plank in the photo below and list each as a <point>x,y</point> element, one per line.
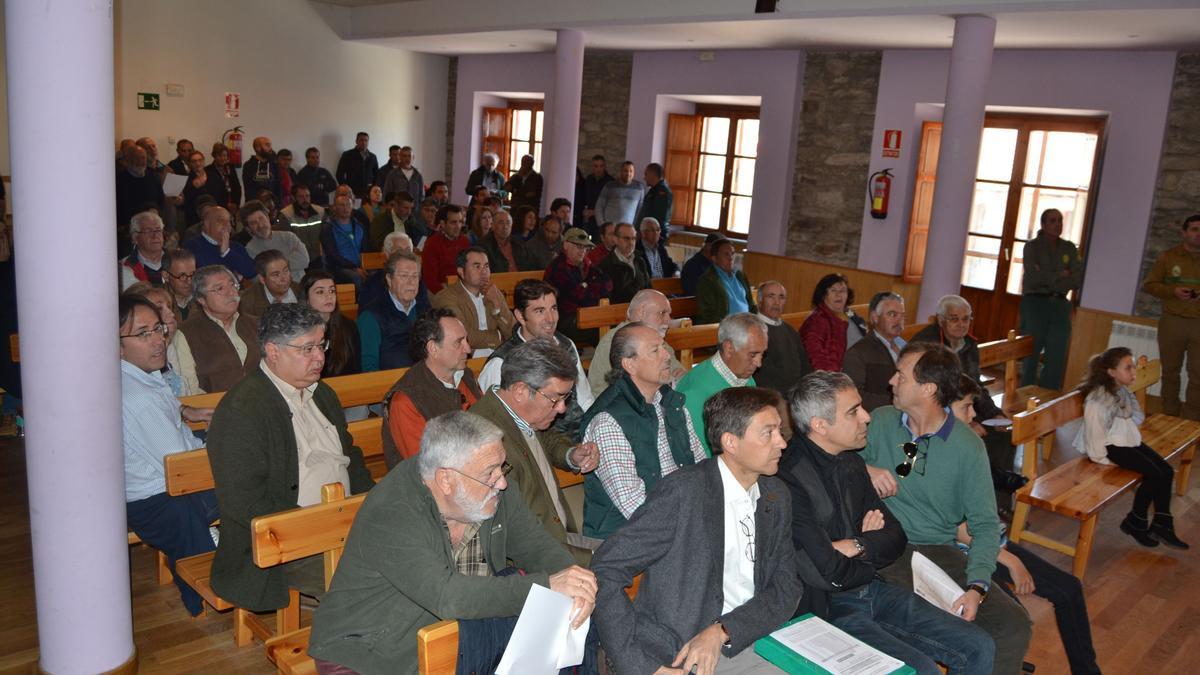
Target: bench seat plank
<point>195,572</point>
<point>289,653</point>
<point>1079,488</point>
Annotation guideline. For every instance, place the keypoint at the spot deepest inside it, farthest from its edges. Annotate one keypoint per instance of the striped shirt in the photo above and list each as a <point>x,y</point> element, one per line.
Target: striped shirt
<point>152,428</point>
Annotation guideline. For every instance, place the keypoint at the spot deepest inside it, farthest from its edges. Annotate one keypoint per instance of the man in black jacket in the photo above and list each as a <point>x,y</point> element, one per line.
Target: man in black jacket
<point>358,166</point>
<point>843,533</point>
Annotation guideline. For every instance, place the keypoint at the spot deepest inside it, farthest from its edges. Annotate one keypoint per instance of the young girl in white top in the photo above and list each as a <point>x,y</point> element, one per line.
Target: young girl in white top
<point>1110,435</point>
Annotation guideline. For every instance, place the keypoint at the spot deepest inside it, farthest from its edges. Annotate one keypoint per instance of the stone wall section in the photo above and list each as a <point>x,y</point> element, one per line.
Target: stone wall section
<point>604,109</point>
<point>833,151</point>
<point>1177,194</point>
<point>451,99</point>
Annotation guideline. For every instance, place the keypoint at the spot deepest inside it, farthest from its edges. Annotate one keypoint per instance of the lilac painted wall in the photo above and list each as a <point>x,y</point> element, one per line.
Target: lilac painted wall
<point>665,106</point>
<point>776,76</point>
<point>1133,88</point>
<point>478,74</point>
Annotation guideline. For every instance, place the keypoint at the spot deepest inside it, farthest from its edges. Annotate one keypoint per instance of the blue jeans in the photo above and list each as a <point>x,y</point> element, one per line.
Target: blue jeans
<point>898,623</point>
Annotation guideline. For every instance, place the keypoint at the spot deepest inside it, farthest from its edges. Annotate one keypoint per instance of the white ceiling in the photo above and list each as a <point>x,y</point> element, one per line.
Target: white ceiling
<point>1087,29</point>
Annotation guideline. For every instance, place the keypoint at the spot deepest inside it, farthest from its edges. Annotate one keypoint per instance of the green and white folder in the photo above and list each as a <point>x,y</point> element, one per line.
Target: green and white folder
<point>819,658</point>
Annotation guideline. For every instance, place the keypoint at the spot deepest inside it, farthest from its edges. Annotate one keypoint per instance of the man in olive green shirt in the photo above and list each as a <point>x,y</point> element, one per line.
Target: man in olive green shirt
<point>1053,268</point>
<point>1175,278</point>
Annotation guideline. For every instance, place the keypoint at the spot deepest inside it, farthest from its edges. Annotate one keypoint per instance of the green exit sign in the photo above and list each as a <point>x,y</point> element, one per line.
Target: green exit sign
<point>147,101</point>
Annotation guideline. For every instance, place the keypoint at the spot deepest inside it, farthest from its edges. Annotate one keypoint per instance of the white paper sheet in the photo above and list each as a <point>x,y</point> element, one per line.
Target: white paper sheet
<point>834,650</point>
<point>173,184</point>
<point>932,583</point>
<point>542,642</point>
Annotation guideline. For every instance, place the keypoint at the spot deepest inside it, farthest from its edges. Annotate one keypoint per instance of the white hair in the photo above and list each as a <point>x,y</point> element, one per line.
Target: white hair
<point>949,301</point>
<point>397,241</point>
<point>450,441</point>
<point>142,219</point>
<point>736,328</point>
<point>649,219</point>
<point>762,288</point>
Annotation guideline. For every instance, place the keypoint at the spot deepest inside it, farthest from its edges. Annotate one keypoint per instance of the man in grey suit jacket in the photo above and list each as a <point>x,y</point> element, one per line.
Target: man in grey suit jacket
<point>708,591</point>
<point>871,362</point>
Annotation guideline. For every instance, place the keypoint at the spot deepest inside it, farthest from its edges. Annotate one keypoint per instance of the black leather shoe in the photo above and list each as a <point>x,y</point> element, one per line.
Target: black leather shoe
<point>1163,530</point>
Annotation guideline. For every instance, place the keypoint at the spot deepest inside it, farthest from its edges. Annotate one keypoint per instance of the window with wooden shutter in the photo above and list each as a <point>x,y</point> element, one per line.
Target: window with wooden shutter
<point>495,136</point>
<point>918,223</point>
<point>683,152</point>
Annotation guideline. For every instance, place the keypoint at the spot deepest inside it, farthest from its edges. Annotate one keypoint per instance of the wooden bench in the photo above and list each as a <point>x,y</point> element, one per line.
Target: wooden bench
<point>505,281</point>
<point>1079,489</point>
<point>347,300</point>
<point>373,260</point>
<point>604,316</point>
<point>669,286</point>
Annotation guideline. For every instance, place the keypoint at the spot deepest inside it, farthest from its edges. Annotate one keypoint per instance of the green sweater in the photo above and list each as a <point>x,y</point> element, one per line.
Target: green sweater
<point>700,383</point>
<point>397,574</point>
<point>950,482</point>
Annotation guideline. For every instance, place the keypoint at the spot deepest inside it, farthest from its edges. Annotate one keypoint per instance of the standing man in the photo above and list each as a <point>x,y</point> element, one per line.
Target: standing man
<point>658,200</point>
<point>714,544</point>
<point>316,177</point>
<point>786,359</point>
<point>260,172</point>
<point>136,187</point>
<point>650,308</point>
<point>358,166</point>
<point>287,176</point>
<point>589,193</point>
<point>642,428</point>
<point>1175,279</point>
<point>439,256</point>
<point>871,362</point>
<point>620,200</point>
<point>526,185</point>
<point>653,247</point>
<point>476,301</point>
<point>183,150</point>
<point>486,175</point>
<point>1053,268</point>
<point>628,271</point>
<point>932,472</point>
<point>225,186</point>
<point>742,340</point>
<point>275,439</point>
<point>578,284</point>
<point>405,177</point>
<point>386,169</point>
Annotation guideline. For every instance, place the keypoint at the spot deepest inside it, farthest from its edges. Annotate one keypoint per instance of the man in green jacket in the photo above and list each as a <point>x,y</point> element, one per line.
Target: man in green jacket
<point>1175,279</point>
<point>427,545</point>
<point>742,340</point>
<point>1053,269</point>
<point>722,290</point>
<point>278,415</point>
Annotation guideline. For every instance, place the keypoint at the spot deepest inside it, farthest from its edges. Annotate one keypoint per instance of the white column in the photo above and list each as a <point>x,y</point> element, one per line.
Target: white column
<point>962,129</point>
<point>60,112</point>
<point>562,142</point>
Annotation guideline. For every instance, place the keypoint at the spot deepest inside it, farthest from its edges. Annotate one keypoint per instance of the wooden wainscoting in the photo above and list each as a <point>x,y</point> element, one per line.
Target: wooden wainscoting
<point>801,276</point>
<point>1089,335</point>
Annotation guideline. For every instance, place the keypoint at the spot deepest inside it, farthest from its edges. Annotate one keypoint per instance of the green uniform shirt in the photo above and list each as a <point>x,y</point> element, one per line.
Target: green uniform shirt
<point>950,482</point>
<point>1045,259</point>
<point>1175,267</point>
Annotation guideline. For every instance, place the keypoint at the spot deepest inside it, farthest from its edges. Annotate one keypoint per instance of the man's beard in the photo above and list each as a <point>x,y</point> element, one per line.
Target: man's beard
<point>474,513</point>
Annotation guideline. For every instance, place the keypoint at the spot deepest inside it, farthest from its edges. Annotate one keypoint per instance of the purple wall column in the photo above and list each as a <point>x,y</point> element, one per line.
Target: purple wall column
<point>68,340</point>
<point>966,96</point>
<point>562,143</point>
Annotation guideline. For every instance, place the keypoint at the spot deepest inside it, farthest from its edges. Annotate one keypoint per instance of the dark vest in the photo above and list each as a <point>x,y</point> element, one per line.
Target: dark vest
<point>394,328</point>
<point>639,422</point>
<point>430,397</point>
<point>217,366</point>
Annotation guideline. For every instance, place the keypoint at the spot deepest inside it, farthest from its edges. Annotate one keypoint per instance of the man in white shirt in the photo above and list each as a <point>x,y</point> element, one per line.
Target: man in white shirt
<point>708,591</point>
<point>153,427</point>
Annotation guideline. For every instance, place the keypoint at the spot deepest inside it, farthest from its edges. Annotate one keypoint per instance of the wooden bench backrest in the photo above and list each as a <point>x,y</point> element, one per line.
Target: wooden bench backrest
<point>374,260</point>
<point>352,390</point>
<point>505,281</point>
<point>1008,351</point>
<point>604,316</point>
<point>346,295</point>
<point>189,472</point>
<point>668,287</point>
<point>302,532</point>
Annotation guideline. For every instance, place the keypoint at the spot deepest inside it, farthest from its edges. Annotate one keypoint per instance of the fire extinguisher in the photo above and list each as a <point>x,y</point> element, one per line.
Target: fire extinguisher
<point>879,188</point>
<point>232,139</point>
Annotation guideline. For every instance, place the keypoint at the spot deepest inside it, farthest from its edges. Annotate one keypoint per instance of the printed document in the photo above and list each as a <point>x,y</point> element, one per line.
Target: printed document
<point>834,650</point>
<point>543,641</point>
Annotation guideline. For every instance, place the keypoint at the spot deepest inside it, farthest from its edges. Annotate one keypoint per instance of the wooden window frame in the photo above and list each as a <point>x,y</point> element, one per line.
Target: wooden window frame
<point>687,192</point>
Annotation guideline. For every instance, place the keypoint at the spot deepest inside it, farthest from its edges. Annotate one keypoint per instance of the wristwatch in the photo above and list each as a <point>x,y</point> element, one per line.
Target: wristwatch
<point>858,545</point>
<point>980,590</point>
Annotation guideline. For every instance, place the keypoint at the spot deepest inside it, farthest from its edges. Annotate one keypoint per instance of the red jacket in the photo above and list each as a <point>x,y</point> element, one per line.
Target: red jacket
<point>824,336</point>
<point>438,260</point>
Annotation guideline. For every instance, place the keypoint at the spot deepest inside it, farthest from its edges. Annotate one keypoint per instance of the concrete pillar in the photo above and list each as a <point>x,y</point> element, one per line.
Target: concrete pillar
<point>560,154</point>
<point>60,113</point>
<point>962,129</point>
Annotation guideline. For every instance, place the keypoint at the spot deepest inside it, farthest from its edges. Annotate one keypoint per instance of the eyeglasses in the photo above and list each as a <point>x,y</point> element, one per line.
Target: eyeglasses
<point>183,277</point>
<point>505,469</point>
<point>910,460</point>
<point>154,232</point>
<point>747,525</point>
<point>310,349</point>
<point>159,329</point>
<point>564,399</point>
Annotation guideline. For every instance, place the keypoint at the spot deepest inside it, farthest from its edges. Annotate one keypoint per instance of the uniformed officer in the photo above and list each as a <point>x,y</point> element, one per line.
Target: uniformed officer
<point>1175,278</point>
<point>658,200</point>
<point>1053,268</point>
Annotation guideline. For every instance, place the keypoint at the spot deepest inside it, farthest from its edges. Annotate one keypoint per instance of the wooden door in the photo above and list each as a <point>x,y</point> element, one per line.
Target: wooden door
<point>683,154</point>
<point>922,209</point>
<point>495,136</point>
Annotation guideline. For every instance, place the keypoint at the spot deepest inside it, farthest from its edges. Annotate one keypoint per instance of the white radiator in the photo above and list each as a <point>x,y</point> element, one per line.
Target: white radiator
<point>1142,340</point>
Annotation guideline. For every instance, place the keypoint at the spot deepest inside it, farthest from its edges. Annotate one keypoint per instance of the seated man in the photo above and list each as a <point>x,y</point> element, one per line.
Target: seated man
<point>153,428</point>
<point>431,542</point>
<point>343,239</point>
<point>649,307</point>
<point>843,534</point>
<point>653,248</point>
<point>275,439</point>
<point>641,427</point>
<point>943,481</point>
<point>274,284</point>
<point>546,244</point>
<point>438,382</point>
<point>628,270</point>
<point>786,359</point>
<point>256,218</point>
<point>218,345</point>
<point>304,219</point>
<point>608,241</point>
<point>477,303</point>
<point>145,263</point>
<point>578,284</point>
<point>714,547</point>
<point>722,290</point>
<point>505,252</point>
<point>536,382</point>
<point>742,341</point>
<point>871,362</point>
<point>385,324</point>
<point>695,266</point>
<point>396,217</point>
<point>440,251</point>
<point>535,307</point>
<point>179,267</point>
<point>213,246</point>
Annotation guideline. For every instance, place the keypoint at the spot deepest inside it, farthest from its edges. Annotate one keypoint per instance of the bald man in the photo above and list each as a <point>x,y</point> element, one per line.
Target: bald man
<point>786,360</point>
<point>651,308</point>
<point>260,172</point>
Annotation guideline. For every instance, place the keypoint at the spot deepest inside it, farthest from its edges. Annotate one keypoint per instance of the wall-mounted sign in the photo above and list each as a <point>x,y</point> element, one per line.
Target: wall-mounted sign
<point>233,104</point>
<point>147,101</point>
<point>891,143</point>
